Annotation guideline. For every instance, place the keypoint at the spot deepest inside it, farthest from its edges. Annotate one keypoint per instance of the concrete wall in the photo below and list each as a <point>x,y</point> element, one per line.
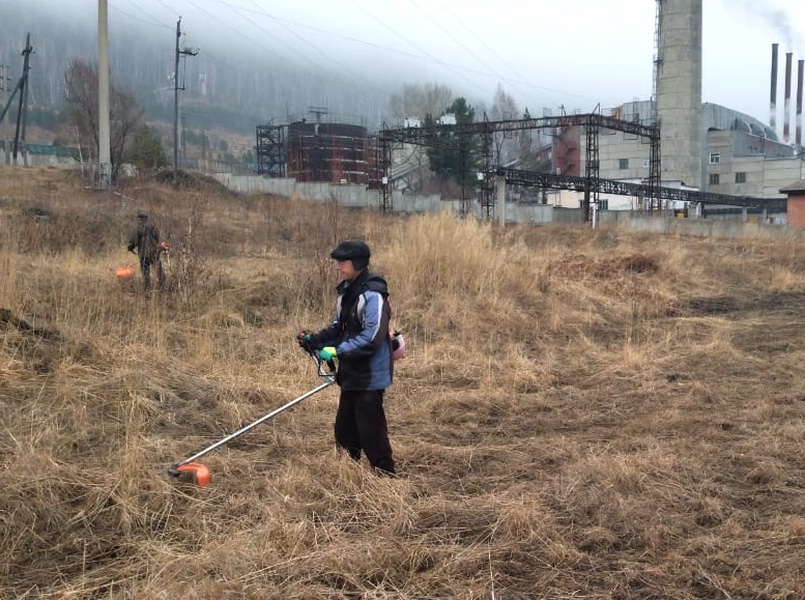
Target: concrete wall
<point>357,196</point>
<point>780,173</point>
<point>708,227</point>
<point>349,195</point>
<point>541,214</point>
<point>39,160</point>
<point>617,147</point>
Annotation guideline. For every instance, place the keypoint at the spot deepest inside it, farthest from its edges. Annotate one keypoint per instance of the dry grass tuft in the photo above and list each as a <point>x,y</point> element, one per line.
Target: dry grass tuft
<point>594,414</point>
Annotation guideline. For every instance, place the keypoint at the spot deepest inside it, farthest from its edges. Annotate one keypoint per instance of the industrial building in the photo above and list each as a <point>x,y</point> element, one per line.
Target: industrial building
<point>704,146</point>
<point>740,155</point>
<point>326,149</point>
<point>693,151</point>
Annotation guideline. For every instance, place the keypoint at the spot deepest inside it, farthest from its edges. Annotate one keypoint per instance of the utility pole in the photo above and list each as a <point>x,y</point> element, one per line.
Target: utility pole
<point>22,88</point>
<point>179,54</point>
<point>22,114</point>
<point>104,128</point>
<point>4,82</point>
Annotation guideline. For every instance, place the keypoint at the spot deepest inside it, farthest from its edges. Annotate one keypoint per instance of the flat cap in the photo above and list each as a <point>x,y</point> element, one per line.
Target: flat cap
<point>351,250</point>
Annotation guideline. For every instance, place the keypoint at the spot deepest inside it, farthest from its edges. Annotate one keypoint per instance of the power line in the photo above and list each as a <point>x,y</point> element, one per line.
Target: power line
<point>151,20</point>
<point>520,77</point>
<point>299,55</point>
<point>166,7</point>
<point>459,70</point>
<point>456,40</point>
<point>290,25</point>
<point>402,37</point>
<point>319,50</point>
<point>488,48</point>
<point>293,27</point>
<point>239,32</point>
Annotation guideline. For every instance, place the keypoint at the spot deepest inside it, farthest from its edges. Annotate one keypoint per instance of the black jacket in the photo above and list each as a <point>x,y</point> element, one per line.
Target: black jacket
<point>146,240</point>
<point>360,333</point>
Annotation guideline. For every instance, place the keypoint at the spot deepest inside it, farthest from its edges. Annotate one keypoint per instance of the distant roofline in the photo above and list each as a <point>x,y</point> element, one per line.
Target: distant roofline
<point>797,186</point>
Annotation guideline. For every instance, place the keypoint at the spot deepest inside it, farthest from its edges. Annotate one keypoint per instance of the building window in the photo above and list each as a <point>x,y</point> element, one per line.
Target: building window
<point>646,163</point>
<point>714,179</point>
<point>740,177</point>
<point>623,164</point>
<point>603,205</point>
<point>715,158</point>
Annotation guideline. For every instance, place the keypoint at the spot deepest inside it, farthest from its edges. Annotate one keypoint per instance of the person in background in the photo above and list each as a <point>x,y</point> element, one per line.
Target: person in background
<point>358,337</point>
<point>145,243</point>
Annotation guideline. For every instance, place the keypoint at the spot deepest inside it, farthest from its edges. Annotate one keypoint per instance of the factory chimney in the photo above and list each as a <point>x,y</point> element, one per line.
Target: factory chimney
<point>773,104</point>
<point>787,100</point>
<point>800,68</point>
<point>679,91</point>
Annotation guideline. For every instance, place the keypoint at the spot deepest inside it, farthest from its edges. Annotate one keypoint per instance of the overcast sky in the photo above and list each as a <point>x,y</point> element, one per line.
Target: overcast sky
<point>571,53</point>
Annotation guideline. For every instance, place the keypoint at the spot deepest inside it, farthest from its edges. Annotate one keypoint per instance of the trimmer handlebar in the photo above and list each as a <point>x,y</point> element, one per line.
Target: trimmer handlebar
<point>319,362</point>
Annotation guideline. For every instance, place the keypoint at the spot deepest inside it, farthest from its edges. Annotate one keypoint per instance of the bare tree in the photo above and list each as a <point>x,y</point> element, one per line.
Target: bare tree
<point>504,107</point>
<point>421,100</point>
<point>81,91</point>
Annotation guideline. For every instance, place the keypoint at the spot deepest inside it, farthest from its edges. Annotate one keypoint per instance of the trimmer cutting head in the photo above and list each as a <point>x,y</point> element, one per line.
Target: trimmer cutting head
<point>191,472</point>
<point>195,472</point>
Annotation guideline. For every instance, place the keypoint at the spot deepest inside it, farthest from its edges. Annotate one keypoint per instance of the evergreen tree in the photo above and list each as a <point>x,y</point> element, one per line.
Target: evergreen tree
<point>146,150</point>
<point>454,155</point>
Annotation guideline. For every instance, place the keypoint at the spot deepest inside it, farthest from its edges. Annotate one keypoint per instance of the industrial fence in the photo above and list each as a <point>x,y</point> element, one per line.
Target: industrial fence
<point>358,196</point>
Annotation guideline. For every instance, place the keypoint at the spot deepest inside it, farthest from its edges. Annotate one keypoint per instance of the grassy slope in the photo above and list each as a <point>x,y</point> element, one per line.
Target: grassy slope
<point>586,414</point>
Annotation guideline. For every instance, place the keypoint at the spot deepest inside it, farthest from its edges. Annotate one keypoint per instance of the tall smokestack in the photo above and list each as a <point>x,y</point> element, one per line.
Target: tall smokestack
<point>800,68</point>
<point>773,103</point>
<point>679,91</point>
<point>787,100</point>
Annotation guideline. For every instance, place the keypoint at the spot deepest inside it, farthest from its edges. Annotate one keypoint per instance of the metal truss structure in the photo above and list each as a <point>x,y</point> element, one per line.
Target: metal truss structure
<point>592,122</point>
<point>638,190</point>
<point>271,150</point>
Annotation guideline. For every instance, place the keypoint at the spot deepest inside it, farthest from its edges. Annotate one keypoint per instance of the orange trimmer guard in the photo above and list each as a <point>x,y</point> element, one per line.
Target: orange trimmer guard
<point>124,272</point>
<point>200,473</point>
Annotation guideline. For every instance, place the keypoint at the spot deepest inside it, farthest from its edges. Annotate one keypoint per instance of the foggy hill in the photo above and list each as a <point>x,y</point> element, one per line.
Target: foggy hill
<point>224,86</point>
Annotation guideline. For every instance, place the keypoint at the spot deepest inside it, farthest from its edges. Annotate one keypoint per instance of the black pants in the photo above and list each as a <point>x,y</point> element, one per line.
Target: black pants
<point>145,268</point>
<point>360,425</point>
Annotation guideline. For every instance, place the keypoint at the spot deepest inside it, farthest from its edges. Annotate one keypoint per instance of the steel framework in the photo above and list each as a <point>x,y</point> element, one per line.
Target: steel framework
<point>623,188</point>
<point>271,150</point>
<point>592,122</point>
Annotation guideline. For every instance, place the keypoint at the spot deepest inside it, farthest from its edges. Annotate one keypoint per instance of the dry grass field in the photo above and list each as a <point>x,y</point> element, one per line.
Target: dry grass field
<point>586,414</point>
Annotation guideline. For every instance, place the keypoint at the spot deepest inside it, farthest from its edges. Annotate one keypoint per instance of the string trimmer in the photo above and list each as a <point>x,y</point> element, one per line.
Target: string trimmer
<point>200,474</point>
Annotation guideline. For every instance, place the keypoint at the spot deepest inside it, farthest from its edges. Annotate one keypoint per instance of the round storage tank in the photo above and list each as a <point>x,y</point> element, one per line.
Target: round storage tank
<point>327,152</point>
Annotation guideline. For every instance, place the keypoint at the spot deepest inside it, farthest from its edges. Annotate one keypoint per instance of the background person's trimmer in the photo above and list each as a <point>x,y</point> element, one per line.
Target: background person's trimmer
<point>200,474</point>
